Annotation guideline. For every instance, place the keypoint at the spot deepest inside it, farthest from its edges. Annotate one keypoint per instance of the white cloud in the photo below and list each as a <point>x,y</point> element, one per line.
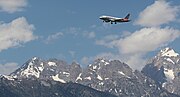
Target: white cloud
<point>73,30</point>
<point>161,12</point>
<point>15,33</point>
<point>106,41</point>
<point>89,34</point>
<point>12,6</point>
<point>53,37</point>
<point>8,68</point>
<point>146,40</point>
<point>79,32</point>
<point>85,60</point>
<point>135,61</point>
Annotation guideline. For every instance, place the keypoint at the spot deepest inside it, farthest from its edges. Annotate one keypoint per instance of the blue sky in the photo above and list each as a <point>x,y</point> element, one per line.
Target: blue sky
<point>71,30</point>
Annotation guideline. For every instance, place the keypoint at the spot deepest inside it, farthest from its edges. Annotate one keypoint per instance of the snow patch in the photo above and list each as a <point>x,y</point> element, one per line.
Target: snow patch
<point>66,73</point>
<point>177,61</point>
<point>89,78</point>
<point>52,70</point>
<point>115,90</point>
<point>168,59</point>
<point>102,61</point>
<point>94,67</point>
<point>41,68</point>
<point>99,67</point>
<point>56,94</point>
<point>14,76</point>
<point>56,78</point>
<point>120,72</point>
<point>99,77</point>
<point>172,91</point>
<point>164,62</point>
<point>52,63</point>
<point>106,78</point>
<point>79,77</point>
<point>101,83</point>
<point>110,90</point>
<point>106,63</point>
<point>163,85</point>
<point>90,65</point>
<point>169,74</point>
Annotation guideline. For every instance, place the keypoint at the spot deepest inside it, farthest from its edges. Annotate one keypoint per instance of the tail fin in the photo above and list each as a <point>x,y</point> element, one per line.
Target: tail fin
<point>127,17</point>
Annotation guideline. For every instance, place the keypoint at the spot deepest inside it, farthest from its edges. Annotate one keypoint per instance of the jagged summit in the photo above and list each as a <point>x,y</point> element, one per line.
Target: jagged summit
<point>52,69</point>
<point>167,56</point>
<point>165,70</point>
<point>31,68</point>
<point>168,52</point>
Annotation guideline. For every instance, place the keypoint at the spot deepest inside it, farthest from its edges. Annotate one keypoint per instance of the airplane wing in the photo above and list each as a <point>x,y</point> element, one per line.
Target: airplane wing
<point>118,20</point>
<point>115,19</point>
<point>112,20</point>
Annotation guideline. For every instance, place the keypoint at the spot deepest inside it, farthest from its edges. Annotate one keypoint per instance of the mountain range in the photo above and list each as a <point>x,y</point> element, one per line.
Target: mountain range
<point>102,78</point>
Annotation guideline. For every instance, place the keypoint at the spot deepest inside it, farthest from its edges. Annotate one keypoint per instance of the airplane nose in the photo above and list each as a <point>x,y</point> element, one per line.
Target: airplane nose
<point>101,17</point>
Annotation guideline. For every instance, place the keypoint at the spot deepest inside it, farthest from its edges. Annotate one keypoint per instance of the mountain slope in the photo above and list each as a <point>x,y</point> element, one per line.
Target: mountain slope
<point>164,68</point>
<point>45,88</point>
<point>119,79</point>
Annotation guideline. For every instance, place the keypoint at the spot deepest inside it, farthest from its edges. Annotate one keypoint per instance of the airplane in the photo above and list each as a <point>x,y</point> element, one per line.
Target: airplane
<point>114,19</point>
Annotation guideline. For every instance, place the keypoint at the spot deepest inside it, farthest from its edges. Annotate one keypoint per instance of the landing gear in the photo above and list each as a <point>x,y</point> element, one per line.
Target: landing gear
<point>111,22</point>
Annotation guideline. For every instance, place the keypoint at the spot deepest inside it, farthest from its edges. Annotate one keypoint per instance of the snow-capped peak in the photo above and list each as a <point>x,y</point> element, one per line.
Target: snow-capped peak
<point>168,52</point>
<point>31,68</point>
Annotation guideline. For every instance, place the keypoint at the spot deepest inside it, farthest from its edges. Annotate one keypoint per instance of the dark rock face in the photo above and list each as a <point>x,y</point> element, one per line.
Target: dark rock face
<point>44,88</point>
<point>164,68</point>
<point>155,73</point>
